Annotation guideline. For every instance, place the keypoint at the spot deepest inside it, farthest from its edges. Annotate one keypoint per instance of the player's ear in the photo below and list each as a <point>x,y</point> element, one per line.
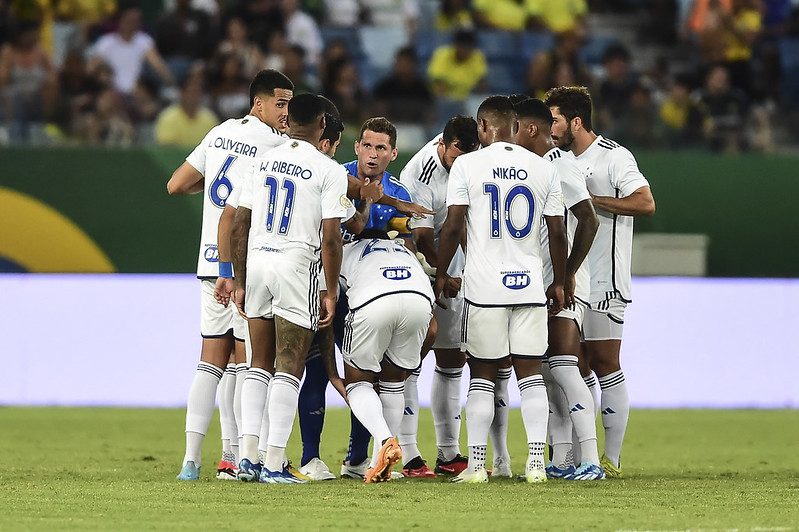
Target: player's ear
<point>394,153</point>
<point>357,147</point>
<point>577,123</point>
<point>532,129</point>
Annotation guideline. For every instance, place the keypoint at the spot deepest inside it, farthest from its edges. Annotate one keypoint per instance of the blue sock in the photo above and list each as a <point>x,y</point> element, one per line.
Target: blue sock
<point>311,404</point>
<point>358,450</point>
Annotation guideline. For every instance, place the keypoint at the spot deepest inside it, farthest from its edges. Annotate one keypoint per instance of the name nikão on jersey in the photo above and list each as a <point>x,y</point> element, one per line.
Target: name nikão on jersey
<point>510,173</point>
<point>234,146</point>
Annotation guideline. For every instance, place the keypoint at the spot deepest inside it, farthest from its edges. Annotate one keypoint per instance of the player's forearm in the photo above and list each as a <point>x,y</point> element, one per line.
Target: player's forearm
<point>425,244</point>
<point>447,244</point>
<point>639,203</point>
<point>238,244</point>
<point>362,214</point>
<point>223,234</point>
<point>558,249</point>
<point>331,254</point>
<point>587,225</point>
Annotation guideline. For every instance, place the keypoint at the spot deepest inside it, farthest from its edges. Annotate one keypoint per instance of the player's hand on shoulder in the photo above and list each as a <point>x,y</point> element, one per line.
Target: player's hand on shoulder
<point>371,190</point>
<point>555,298</point>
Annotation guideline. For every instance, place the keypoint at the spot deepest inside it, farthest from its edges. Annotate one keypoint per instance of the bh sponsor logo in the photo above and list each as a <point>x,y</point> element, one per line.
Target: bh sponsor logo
<point>397,274</point>
<point>212,254</point>
<point>516,281</point>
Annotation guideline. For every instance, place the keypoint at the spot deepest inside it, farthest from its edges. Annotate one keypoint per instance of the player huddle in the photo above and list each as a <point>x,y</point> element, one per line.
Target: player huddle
<point>498,259</point>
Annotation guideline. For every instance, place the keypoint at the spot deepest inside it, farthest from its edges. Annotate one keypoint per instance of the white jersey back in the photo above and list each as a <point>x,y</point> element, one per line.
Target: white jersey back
<point>572,184</point>
<point>223,158</point>
<point>290,192</point>
<point>610,170</point>
<point>426,180</point>
<point>507,190</point>
<point>373,268</point>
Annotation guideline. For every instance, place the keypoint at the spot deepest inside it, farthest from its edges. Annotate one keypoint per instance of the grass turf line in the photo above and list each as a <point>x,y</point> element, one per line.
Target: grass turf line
<point>95,469</point>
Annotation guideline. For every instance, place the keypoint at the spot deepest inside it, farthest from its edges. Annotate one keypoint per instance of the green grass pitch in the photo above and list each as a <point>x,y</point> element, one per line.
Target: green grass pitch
<point>114,469</point>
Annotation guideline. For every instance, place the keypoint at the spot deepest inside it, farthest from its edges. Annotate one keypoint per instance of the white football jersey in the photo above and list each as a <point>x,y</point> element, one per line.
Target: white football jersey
<point>507,190</point>
<point>572,184</point>
<point>610,170</point>
<point>373,268</point>
<point>290,192</point>
<point>223,158</point>
<point>426,179</point>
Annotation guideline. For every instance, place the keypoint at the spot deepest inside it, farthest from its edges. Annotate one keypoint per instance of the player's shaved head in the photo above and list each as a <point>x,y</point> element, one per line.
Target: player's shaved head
<point>266,81</point>
<point>534,109</point>
<point>516,98</point>
<point>333,124</point>
<point>497,109</point>
<point>573,102</point>
<point>305,110</point>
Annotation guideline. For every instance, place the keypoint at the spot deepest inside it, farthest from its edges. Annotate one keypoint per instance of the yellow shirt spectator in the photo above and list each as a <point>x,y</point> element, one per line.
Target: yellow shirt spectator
<point>748,22</point>
<point>558,16</point>
<point>453,78</point>
<point>502,14</point>
<point>174,127</point>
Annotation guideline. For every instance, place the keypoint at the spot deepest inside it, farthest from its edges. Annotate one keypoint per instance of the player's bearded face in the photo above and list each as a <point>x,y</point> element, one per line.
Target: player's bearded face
<point>374,152</point>
<point>274,110</point>
<point>451,152</point>
<point>561,130</point>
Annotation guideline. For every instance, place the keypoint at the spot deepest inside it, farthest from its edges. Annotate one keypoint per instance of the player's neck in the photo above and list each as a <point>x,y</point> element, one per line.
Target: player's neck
<point>582,142</point>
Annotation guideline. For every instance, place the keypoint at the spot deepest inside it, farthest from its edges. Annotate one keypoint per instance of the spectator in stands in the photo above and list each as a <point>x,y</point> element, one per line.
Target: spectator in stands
<point>28,80</point>
<point>403,96</point>
<point>109,125</point>
<point>274,55</point>
<point>127,49</point>
<point>76,89</point>
<point>560,66</point>
<point>301,30</point>
<point>237,41</point>
<point>557,17</point>
<point>184,35</point>
<point>458,69</point>
<point>742,28</point>
<point>686,121</point>
<point>641,127</point>
<point>262,17</point>
<point>500,14</point>
<point>454,15</point>
<point>343,87</point>
<point>391,14</point>
<point>76,23</point>
<point>343,13</point>
<point>728,108</point>
<point>335,50</point>
<point>229,87</point>
<point>144,104</point>
<point>294,69</point>
<point>186,122</point>
<point>615,92</point>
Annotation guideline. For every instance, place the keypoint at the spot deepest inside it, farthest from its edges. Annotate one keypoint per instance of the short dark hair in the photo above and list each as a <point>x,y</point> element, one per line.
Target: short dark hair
<point>463,130</point>
<point>380,124</point>
<point>518,97</point>
<point>372,232</point>
<point>500,107</point>
<point>305,109</point>
<point>465,36</point>
<point>616,51</point>
<point>535,109</point>
<point>408,52</point>
<point>333,124</point>
<point>572,102</point>
<point>266,81</point>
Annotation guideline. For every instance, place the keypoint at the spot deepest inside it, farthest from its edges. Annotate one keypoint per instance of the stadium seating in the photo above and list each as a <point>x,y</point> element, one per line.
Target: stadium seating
<point>789,62</point>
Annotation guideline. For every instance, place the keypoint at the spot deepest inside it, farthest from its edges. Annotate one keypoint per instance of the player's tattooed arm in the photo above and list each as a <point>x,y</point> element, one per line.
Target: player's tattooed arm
<point>587,225</point>
<point>238,249</point>
<point>185,180</point>
<point>639,203</point>
<point>327,347</point>
<point>448,242</point>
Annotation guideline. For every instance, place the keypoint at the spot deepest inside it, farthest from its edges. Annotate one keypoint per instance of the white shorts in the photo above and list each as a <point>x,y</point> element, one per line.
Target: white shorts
<point>217,320</point>
<point>395,324</point>
<point>604,320</point>
<point>492,333</point>
<point>577,313</point>
<point>279,284</point>
<point>449,323</point>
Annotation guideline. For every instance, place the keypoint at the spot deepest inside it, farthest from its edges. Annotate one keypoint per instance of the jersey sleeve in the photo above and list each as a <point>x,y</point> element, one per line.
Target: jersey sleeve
<point>457,186</point>
<point>235,195</point>
<point>197,157</point>
<point>421,194</point>
<point>554,202</point>
<point>334,193</point>
<point>572,182</point>
<point>624,172</point>
<point>245,197</point>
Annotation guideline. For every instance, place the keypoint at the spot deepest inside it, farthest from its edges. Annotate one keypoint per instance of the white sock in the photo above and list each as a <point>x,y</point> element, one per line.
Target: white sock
<point>393,400</point>
<point>368,408</point>
<point>409,425</point>
<point>535,455</point>
<point>253,400</point>
<point>445,403</point>
<point>580,404</point>
<point>590,381</point>
<point>275,457</point>
<point>227,420</point>
<point>263,437</point>
<point>499,425</point>
<point>559,425</point>
<point>241,374</point>
<point>615,413</point>
<point>535,408</point>
<point>479,414</point>
<point>282,409</point>
<point>200,409</point>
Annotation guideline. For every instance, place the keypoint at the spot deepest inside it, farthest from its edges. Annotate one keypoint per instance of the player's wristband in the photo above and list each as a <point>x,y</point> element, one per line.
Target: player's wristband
<point>226,270</point>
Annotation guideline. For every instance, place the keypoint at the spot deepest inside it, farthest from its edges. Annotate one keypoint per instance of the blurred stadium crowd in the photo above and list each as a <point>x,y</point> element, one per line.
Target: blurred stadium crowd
<point>665,74</point>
